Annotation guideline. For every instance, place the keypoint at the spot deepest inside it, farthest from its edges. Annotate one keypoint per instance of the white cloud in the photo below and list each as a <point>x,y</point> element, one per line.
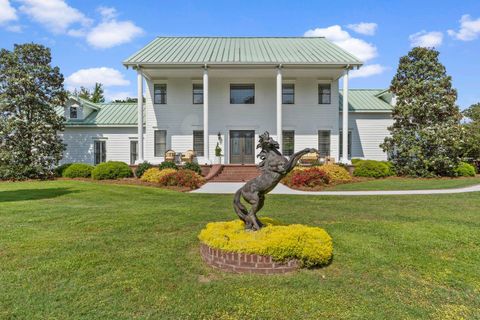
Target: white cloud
<point>7,12</point>
<point>365,28</point>
<point>367,71</point>
<point>426,39</point>
<point>107,13</point>
<point>469,29</point>
<point>14,28</point>
<point>56,15</point>
<point>361,49</point>
<point>113,33</point>
<point>109,77</point>
<point>120,95</point>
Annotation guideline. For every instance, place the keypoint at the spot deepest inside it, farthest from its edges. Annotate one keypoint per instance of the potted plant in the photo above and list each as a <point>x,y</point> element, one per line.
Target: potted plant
<point>218,154</point>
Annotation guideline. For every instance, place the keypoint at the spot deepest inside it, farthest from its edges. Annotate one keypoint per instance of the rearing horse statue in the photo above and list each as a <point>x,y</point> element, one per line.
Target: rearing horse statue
<point>274,166</point>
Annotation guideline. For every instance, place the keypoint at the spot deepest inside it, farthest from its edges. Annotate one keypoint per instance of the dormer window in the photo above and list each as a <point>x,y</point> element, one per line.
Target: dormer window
<point>73,112</point>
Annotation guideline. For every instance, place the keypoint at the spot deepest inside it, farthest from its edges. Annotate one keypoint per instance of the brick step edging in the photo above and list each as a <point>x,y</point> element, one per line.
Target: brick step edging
<point>244,262</point>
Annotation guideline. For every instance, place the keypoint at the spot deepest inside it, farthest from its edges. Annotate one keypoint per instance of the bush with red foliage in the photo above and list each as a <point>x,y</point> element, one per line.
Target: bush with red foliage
<point>183,178</point>
<point>308,178</point>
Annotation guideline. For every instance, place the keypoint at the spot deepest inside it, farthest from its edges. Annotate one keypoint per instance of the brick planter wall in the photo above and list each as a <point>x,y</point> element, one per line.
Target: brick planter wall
<point>245,263</point>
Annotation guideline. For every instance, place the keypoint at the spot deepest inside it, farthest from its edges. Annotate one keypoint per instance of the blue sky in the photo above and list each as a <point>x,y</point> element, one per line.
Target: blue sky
<point>89,39</point>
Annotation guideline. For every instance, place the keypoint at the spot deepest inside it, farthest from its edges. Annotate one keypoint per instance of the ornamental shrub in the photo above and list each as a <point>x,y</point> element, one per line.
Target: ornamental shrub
<point>167,164</point>
<point>111,170</point>
<point>307,178</point>
<point>183,178</point>
<point>141,168</point>
<point>356,161</point>
<point>336,173</point>
<point>155,175</point>
<point>58,171</point>
<point>312,246</point>
<point>465,170</point>
<point>371,169</point>
<point>193,166</point>
<point>78,170</point>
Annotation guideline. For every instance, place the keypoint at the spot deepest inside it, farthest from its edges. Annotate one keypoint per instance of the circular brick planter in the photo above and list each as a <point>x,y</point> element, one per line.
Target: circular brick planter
<point>244,262</point>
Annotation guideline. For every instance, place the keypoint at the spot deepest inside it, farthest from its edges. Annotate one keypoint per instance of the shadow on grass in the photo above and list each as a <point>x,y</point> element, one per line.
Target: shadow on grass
<point>32,194</point>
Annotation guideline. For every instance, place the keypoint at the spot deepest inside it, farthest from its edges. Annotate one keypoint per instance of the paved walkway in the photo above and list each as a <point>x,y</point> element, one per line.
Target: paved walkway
<point>232,187</point>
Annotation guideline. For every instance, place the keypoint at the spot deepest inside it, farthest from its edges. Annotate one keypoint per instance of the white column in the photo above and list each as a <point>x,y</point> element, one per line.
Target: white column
<point>140,114</point>
<point>344,156</point>
<point>279,107</point>
<point>205,116</point>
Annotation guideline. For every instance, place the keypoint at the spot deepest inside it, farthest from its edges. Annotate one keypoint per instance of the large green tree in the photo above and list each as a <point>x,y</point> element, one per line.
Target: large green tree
<point>30,89</point>
<point>96,95</point>
<point>471,149</point>
<point>426,135</point>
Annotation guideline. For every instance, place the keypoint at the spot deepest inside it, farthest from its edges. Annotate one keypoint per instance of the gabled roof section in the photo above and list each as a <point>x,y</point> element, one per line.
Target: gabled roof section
<point>107,114</point>
<point>366,100</point>
<point>241,50</point>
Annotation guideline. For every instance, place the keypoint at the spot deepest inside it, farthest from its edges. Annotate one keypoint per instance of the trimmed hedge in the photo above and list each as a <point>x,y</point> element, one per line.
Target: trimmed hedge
<point>465,170</point>
<point>78,170</point>
<point>306,177</point>
<point>141,168</point>
<point>58,171</point>
<point>155,175</point>
<point>195,167</point>
<point>111,170</point>
<point>372,169</point>
<point>336,173</point>
<point>168,165</point>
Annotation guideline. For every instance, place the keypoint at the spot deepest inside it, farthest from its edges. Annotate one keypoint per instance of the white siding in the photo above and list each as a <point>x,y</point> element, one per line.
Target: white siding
<point>368,132</point>
<point>180,116</point>
<point>79,143</point>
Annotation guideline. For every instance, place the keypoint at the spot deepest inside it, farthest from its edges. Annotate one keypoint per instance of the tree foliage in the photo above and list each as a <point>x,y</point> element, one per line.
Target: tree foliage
<point>426,136</point>
<point>471,148</point>
<point>30,89</point>
<point>96,95</point>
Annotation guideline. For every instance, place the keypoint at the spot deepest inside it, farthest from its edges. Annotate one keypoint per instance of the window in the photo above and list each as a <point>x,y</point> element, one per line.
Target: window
<point>324,143</point>
<point>349,143</point>
<point>288,93</point>
<point>160,143</point>
<point>288,143</point>
<point>324,93</point>
<point>160,93</point>
<point>73,112</point>
<point>198,142</point>
<point>197,93</point>
<point>100,152</point>
<point>133,151</point>
<point>242,94</point>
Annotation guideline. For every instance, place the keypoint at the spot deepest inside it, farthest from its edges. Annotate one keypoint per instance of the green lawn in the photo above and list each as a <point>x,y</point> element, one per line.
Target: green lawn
<point>82,250</point>
<point>395,183</point>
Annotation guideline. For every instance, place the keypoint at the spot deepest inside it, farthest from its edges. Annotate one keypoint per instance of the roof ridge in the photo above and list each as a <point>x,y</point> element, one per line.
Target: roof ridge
<point>242,37</point>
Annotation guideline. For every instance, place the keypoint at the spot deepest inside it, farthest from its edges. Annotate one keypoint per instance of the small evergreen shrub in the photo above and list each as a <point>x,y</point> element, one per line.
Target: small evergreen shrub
<point>111,170</point>
<point>336,173</point>
<point>155,175</point>
<point>465,170</point>
<point>307,177</point>
<point>195,167</point>
<point>356,161</point>
<point>168,164</point>
<point>78,170</point>
<point>141,168</point>
<point>312,246</point>
<point>372,169</point>
<point>58,171</point>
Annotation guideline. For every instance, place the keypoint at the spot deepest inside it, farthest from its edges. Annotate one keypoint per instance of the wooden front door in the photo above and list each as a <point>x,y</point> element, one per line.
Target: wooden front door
<point>242,146</point>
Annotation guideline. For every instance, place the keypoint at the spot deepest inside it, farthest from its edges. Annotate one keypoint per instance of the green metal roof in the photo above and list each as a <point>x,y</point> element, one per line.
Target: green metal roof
<point>241,50</point>
<point>107,114</point>
<point>366,100</point>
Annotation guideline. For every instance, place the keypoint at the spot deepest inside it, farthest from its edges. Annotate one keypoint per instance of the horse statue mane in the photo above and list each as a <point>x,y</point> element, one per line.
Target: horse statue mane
<point>273,167</point>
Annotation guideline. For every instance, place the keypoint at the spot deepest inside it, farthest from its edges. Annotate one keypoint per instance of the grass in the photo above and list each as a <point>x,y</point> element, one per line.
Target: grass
<point>396,183</point>
<point>84,250</point>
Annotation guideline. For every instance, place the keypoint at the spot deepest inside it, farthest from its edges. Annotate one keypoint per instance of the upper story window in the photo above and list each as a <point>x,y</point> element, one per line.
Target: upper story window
<point>197,93</point>
<point>160,93</point>
<point>242,94</point>
<point>73,112</point>
<point>324,93</point>
<point>288,93</point>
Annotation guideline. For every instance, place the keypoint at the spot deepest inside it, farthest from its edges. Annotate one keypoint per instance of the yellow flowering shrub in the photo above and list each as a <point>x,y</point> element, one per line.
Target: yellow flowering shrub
<point>312,246</point>
<point>336,173</point>
<point>155,174</point>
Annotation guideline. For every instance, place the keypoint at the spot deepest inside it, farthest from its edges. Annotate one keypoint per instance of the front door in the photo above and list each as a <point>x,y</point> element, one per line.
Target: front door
<point>242,146</point>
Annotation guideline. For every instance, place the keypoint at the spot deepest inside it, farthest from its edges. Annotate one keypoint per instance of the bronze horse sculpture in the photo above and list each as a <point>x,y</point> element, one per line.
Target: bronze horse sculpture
<point>273,167</point>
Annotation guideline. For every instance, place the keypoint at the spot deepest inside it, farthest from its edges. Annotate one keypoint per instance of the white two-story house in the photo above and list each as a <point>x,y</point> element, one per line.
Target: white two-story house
<point>201,92</point>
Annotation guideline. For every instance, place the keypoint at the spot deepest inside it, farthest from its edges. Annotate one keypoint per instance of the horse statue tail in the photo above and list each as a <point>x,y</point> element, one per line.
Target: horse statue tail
<point>239,207</point>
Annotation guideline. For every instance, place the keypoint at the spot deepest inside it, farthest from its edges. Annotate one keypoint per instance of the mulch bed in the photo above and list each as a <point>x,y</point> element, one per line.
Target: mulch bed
<point>131,181</point>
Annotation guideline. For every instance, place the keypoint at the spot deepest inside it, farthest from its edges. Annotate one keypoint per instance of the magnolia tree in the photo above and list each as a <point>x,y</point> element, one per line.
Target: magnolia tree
<point>426,135</point>
<point>471,150</point>
<point>30,89</point>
